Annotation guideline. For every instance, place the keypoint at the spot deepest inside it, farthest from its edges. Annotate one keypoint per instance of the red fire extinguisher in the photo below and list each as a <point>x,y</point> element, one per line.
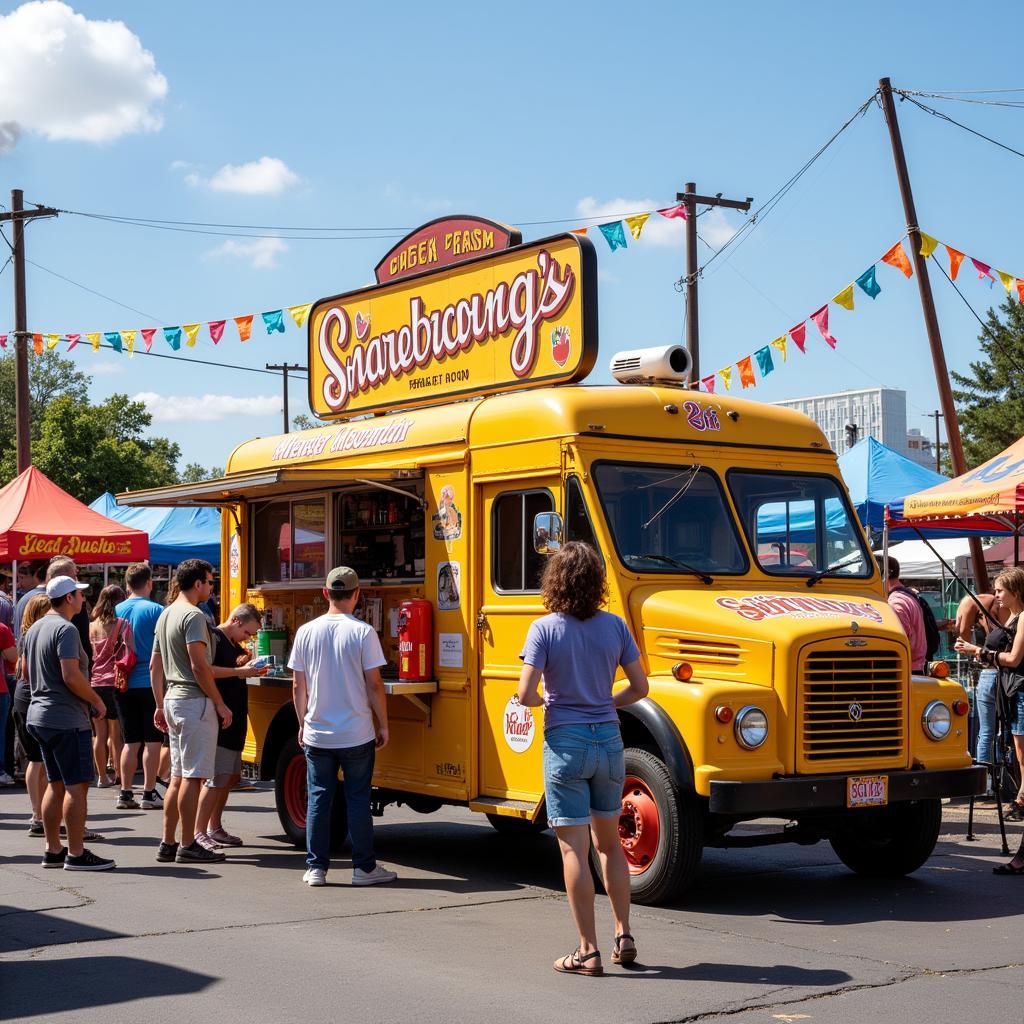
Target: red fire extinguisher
<point>415,641</point>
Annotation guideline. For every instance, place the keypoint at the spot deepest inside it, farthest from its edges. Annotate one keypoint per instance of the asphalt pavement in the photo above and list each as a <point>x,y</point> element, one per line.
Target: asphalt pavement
<point>470,929</point>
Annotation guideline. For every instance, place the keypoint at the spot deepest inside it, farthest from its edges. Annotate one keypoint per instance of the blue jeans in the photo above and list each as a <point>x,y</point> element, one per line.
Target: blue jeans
<point>322,766</point>
<point>985,708</point>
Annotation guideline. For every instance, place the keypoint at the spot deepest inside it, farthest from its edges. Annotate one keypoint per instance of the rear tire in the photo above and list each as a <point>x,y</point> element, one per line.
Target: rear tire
<point>291,799</point>
<point>661,829</point>
<point>892,841</point>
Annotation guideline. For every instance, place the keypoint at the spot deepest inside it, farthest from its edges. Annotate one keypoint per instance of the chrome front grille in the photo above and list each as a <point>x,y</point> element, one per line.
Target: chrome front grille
<point>852,708</point>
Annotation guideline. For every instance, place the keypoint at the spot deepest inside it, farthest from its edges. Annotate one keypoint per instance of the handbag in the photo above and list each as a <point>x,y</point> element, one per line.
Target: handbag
<point>125,658</point>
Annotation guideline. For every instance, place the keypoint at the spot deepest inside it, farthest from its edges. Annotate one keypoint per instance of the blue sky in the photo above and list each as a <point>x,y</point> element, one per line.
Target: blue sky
<point>383,117</point>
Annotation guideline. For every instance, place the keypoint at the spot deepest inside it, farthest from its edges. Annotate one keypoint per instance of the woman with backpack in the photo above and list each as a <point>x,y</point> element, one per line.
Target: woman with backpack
<point>105,631</point>
<point>1003,650</point>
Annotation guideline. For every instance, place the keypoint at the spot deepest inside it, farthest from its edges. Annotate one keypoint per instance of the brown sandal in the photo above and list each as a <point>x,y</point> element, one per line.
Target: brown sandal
<point>624,956</point>
<point>572,963</point>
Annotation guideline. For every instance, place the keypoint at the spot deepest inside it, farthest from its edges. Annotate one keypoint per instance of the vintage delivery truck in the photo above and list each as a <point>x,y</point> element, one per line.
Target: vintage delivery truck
<point>460,446</point>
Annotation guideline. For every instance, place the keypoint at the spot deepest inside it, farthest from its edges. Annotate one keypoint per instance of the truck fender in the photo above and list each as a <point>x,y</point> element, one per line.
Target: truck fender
<point>671,747</point>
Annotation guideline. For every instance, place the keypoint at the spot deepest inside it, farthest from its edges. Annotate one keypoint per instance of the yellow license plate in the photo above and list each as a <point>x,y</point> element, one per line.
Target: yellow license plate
<point>867,790</point>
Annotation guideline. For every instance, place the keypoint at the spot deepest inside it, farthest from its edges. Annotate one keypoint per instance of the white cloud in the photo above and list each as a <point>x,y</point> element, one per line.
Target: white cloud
<point>106,369</point>
<point>266,176</point>
<point>713,226</point>
<point>261,253</point>
<point>206,408</point>
<point>64,76</point>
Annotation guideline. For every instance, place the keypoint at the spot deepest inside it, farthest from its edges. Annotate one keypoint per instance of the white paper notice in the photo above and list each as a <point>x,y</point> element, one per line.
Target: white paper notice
<point>449,650</point>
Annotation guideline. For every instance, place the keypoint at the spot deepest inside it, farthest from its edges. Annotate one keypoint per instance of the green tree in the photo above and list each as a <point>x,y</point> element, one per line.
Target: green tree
<point>88,449</point>
<point>989,399</point>
<point>49,377</point>
<point>193,473</point>
<point>304,422</point>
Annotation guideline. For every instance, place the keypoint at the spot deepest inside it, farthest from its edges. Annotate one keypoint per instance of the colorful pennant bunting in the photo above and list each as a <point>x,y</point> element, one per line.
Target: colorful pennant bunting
<point>746,368</point>
<point>217,330</point>
<point>799,336</point>
<point>129,341</point>
<point>274,321</point>
<point>614,235</point>
<point>191,333</point>
<point>780,344</point>
<point>244,325</point>
<point>844,298</point>
<point>172,335</point>
<point>928,245</point>
<point>113,339</point>
<point>73,340</point>
<point>867,283</point>
<point>765,363</point>
<point>726,374</point>
<point>579,231</point>
<point>820,318</point>
<point>955,259</point>
<point>675,211</point>
<point>636,224</point>
<point>299,313</point>
<point>983,269</point>
<point>897,257</point>
<point>51,341</point>
<point>3,341</point>
<point>147,337</point>
<point>37,344</point>
<point>709,383</point>
<point>1007,280</point>
<point>94,340</point>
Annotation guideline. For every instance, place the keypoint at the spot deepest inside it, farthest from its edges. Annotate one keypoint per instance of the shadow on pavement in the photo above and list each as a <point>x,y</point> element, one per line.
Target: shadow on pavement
<point>31,987</point>
<point>740,974</point>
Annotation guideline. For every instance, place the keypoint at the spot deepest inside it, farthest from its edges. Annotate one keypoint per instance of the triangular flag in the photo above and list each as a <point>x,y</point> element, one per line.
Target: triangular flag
<point>217,330</point>
<point>299,313</point>
<point>983,269</point>
<point>746,368</point>
<point>37,344</point>
<point>867,283</point>
<point>73,340</point>
<point>147,337</point>
<point>955,259</point>
<point>191,332</point>
<point>709,383</point>
<point>129,341</point>
<point>172,335</point>
<point>676,211</point>
<point>51,341</point>
<point>765,363</point>
<point>94,340</point>
<point>578,231</point>
<point>1020,289</point>
<point>844,298</point>
<point>897,257</point>
<point>726,374</point>
<point>113,338</point>
<point>636,224</point>
<point>928,245</point>
<point>780,344</point>
<point>274,321</point>
<point>799,336</point>
<point>820,317</point>
<point>3,341</point>
<point>244,325</point>
<point>614,235</point>
<point>1007,280</point>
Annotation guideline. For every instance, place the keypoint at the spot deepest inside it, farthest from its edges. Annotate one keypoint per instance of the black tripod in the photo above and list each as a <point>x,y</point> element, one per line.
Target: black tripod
<point>1003,769</point>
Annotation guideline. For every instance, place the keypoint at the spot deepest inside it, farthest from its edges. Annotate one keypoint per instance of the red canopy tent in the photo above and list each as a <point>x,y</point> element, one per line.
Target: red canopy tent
<point>39,520</point>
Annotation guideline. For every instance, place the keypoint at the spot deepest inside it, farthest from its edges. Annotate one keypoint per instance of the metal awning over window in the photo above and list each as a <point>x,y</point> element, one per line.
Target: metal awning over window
<point>264,483</point>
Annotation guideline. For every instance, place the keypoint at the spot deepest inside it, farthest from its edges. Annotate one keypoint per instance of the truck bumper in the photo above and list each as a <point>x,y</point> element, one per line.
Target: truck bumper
<point>828,792</point>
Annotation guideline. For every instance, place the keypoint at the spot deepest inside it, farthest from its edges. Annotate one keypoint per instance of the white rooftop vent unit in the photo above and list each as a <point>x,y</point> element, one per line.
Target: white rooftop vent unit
<point>668,364</point>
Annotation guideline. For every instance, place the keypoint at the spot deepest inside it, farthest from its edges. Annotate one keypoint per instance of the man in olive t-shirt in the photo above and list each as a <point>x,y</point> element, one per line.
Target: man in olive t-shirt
<point>188,709</point>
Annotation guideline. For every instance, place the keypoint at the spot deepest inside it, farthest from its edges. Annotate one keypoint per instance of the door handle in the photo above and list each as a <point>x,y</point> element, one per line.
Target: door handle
<point>481,621</point>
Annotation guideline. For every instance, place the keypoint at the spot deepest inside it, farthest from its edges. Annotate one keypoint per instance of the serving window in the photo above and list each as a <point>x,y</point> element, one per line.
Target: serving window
<point>381,533</point>
<point>289,540</point>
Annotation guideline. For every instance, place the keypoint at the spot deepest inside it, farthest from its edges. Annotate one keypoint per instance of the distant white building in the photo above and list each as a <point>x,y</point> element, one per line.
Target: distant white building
<point>920,449</point>
<point>878,412</point>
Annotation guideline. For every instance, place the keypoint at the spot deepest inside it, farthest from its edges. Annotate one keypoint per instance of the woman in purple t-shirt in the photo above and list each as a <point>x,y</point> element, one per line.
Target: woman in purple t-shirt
<point>579,649</point>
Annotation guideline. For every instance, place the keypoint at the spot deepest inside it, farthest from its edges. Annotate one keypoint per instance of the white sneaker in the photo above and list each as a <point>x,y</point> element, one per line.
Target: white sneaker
<point>315,876</point>
<point>5,779</point>
<point>378,876</point>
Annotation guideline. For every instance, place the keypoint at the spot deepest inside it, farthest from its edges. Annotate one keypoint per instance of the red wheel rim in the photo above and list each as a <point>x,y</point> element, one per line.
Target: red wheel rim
<point>295,790</point>
<point>639,825</point>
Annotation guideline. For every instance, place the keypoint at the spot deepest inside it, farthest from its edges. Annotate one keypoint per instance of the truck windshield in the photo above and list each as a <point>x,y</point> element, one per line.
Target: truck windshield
<point>799,525</point>
<point>669,519</point>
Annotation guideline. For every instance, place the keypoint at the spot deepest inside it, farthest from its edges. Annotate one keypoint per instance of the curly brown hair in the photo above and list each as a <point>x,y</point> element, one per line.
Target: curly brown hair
<point>574,581</point>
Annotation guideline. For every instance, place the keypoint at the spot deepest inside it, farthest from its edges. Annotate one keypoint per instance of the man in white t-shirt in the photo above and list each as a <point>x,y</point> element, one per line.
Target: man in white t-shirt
<point>343,721</point>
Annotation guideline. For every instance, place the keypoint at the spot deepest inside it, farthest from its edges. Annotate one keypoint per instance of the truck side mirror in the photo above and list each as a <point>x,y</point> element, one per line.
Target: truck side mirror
<point>547,532</point>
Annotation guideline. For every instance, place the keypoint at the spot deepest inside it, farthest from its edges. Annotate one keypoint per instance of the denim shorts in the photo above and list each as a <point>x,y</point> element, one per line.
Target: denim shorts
<point>584,769</point>
<point>67,754</point>
<point>1015,713</point>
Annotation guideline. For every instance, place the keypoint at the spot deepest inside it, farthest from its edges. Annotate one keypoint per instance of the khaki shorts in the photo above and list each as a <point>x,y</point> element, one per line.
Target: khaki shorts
<point>192,728</point>
<point>227,764</point>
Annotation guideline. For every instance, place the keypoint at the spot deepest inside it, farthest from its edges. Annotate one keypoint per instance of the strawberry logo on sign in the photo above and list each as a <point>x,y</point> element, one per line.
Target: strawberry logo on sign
<point>560,345</point>
<point>362,326</point>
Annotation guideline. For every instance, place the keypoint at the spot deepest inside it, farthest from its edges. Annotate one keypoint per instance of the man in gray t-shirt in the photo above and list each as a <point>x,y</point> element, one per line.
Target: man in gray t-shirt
<point>58,719</point>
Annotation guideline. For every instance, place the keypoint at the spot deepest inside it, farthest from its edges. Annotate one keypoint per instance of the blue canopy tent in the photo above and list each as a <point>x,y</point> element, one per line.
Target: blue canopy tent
<point>174,533</point>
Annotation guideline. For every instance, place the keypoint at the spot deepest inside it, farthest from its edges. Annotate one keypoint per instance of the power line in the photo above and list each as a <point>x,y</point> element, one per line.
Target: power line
<point>966,96</point>
<point>92,291</point>
<point>207,362</point>
<point>945,117</point>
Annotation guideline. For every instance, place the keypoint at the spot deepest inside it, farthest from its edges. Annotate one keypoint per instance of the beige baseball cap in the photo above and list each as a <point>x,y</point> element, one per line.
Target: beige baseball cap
<point>342,579</point>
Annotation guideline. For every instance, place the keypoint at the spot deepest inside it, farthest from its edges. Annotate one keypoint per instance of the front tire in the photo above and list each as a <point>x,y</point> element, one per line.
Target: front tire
<point>890,842</point>
<point>661,830</point>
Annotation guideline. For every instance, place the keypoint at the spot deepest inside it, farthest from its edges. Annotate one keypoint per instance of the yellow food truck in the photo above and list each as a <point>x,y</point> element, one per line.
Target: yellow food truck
<point>460,447</point>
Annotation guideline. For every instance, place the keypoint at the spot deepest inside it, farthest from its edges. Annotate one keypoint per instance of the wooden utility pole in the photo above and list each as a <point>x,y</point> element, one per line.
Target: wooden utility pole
<point>931,321</point>
<point>689,198</point>
<point>18,215</point>
<point>285,368</point>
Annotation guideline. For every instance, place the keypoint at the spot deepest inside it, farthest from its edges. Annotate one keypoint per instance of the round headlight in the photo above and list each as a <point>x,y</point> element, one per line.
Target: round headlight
<point>751,727</point>
<point>936,720</point>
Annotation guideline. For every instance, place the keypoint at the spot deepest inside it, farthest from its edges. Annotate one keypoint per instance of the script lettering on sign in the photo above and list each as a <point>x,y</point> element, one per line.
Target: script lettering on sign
<point>514,318</point>
<point>769,606</point>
